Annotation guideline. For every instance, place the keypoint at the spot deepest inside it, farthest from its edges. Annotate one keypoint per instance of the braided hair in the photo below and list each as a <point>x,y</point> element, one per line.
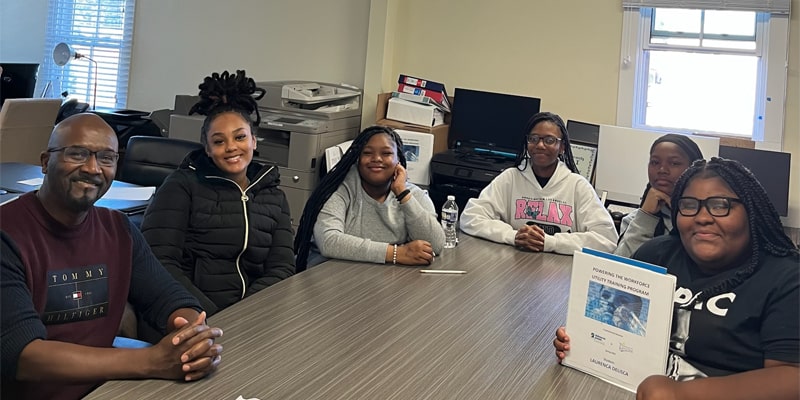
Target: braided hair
<point>692,152</point>
<point>221,93</point>
<point>566,157</point>
<point>766,231</point>
<point>328,185</point>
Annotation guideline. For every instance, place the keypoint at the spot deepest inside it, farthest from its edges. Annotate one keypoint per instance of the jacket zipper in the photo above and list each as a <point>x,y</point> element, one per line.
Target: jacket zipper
<point>244,199</point>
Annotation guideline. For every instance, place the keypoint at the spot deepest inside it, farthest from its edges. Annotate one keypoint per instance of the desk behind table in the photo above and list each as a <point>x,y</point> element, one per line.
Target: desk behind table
<point>11,173</point>
<point>345,330</point>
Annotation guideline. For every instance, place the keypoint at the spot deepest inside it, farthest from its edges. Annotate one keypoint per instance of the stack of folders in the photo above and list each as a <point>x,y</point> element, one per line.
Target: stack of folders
<point>422,91</point>
<point>618,318</point>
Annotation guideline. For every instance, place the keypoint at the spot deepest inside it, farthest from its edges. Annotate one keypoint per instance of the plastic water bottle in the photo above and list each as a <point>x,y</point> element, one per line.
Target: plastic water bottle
<point>450,222</point>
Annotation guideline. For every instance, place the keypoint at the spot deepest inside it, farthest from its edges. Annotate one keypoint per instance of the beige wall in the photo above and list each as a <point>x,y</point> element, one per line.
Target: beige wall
<point>565,52</point>
<point>178,42</point>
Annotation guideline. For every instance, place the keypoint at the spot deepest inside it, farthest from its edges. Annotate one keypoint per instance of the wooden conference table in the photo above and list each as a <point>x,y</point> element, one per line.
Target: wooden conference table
<point>345,330</point>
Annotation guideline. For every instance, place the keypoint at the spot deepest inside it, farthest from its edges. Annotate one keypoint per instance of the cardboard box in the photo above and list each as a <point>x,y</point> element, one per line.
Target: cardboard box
<point>440,141</point>
<point>25,127</point>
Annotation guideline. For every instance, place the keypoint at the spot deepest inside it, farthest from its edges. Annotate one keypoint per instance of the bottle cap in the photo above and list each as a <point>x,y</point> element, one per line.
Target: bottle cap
<point>451,197</point>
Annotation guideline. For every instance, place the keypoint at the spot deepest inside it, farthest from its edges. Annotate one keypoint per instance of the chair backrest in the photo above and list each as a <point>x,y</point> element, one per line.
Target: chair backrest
<point>25,127</point>
<point>148,160</point>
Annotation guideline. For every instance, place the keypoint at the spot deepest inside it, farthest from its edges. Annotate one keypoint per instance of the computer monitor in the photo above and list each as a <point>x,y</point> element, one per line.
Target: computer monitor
<point>17,81</point>
<point>583,138</point>
<point>490,122</point>
<point>770,167</point>
<point>583,132</point>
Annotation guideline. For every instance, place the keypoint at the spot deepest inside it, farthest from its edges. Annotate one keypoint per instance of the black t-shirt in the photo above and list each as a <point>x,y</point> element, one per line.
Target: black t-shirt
<point>735,331</point>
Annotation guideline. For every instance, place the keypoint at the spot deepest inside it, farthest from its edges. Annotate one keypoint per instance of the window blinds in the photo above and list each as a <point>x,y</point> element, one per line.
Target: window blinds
<point>102,30</point>
<point>771,6</point>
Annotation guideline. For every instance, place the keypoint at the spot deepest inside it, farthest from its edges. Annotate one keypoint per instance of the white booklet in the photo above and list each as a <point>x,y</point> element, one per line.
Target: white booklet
<point>618,318</point>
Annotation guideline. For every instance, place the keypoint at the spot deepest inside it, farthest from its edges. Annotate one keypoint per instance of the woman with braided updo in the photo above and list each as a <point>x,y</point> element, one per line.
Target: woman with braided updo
<point>220,223</point>
<point>736,322</point>
<point>364,210</point>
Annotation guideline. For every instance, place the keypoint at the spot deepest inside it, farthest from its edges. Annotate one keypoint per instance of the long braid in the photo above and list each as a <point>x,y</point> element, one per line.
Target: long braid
<point>225,92</point>
<point>522,155</point>
<point>328,185</point>
<point>766,231</point>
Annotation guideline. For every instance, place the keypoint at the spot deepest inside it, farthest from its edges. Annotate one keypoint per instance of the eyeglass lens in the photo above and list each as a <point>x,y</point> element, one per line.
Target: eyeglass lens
<point>716,206</point>
<point>80,155</point>
<point>548,140</point>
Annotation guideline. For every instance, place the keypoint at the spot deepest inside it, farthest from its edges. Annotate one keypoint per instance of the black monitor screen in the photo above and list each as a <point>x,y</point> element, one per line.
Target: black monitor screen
<point>17,81</point>
<point>490,121</point>
<point>770,167</point>
<point>583,132</point>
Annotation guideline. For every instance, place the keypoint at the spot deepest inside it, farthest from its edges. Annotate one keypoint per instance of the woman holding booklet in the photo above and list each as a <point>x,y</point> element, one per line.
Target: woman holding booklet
<point>736,322</point>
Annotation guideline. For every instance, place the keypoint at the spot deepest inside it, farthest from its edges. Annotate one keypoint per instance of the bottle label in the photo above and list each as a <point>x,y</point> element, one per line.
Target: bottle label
<point>449,216</point>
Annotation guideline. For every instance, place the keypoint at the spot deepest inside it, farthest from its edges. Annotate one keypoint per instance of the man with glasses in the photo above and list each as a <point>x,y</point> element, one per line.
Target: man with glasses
<point>68,269</point>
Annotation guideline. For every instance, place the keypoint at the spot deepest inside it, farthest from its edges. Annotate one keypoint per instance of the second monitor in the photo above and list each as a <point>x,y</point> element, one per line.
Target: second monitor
<point>490,122</point>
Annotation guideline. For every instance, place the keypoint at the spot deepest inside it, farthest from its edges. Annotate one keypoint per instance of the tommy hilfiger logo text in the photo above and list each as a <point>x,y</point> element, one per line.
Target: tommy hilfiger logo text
<point>77,294</point>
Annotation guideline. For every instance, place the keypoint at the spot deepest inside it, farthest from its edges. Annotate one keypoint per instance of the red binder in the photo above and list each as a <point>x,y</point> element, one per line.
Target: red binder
<point>421,83</point>
<point>440,97</point>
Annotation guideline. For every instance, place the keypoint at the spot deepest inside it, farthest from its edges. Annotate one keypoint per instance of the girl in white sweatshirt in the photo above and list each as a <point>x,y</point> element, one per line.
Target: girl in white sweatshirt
<point>543,204</point>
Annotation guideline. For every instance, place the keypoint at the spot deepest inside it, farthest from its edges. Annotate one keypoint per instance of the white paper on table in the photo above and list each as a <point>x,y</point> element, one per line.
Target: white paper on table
<point>130,193</point>
<point>32,182</point>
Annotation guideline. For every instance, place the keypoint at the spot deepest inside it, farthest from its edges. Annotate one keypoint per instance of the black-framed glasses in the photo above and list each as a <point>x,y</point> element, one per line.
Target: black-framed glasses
<point>548,140</point>
<point>717,206</point>
<point>80,155</point>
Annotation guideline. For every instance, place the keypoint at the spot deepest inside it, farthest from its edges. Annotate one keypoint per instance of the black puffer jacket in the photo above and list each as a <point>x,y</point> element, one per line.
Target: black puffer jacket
<point>220,242</point>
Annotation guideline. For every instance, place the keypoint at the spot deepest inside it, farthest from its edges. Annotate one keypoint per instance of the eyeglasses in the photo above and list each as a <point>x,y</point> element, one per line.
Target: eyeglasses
<point>80,155</point>
<point>548,140</point>
<point>716,206</point>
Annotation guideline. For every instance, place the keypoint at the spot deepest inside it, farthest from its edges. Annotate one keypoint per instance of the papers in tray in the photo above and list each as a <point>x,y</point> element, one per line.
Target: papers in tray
<point>618,318</point>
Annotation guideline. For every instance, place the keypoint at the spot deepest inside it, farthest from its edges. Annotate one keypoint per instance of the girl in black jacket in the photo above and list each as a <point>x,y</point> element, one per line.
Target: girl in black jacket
<point>220,223</point>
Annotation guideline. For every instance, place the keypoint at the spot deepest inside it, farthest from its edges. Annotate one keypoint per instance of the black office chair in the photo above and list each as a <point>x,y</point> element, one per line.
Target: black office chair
<point>148,160</point>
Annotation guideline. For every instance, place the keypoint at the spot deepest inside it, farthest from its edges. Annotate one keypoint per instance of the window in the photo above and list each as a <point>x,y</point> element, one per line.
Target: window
<point>715,71</point>
<point>101,30</point>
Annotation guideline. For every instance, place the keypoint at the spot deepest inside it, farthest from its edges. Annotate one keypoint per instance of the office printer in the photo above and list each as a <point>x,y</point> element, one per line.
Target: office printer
<point>299,120</point>
<point>463,174</point>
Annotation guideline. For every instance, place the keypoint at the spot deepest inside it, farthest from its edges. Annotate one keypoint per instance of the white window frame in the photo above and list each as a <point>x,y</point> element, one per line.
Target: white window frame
<point>77,77</point>
<point>773,31</point>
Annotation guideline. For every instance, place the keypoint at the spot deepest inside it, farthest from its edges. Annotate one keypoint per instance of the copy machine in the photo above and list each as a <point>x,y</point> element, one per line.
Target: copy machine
<point>299,120</point>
